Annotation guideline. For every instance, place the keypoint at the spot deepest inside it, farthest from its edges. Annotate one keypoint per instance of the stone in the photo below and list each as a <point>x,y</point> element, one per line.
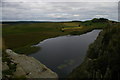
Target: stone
<point>5,66</point>
<point>30,67</point>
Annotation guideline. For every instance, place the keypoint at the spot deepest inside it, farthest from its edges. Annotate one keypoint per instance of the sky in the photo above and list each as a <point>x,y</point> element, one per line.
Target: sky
<point>61,10</point>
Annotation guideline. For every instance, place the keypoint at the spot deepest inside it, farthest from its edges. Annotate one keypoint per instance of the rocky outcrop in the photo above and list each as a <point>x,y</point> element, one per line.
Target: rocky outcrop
<point>29,66</point>
<point>5,66</point>
<point>102,61</point>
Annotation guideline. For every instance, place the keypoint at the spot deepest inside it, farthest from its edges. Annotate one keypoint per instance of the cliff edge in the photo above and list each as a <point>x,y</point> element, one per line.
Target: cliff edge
<point>29,66</point>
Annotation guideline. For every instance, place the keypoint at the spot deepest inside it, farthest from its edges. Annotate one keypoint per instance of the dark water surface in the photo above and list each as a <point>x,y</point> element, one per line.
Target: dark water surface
<point>63,54</point>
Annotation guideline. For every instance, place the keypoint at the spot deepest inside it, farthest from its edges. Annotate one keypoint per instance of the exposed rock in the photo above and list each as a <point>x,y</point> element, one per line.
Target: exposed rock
<point>30,67</point>
<point>19,71</point>
<point>4,66</point>
<point>0,67</point>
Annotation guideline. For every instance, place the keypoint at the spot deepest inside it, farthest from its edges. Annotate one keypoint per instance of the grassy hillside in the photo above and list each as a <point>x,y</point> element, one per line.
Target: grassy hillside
<point>103,58</point>
<point>21,36</point>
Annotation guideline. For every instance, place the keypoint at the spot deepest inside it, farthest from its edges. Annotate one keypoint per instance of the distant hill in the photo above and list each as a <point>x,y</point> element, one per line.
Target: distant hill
<point>93,20</point>
<point>15,22</point>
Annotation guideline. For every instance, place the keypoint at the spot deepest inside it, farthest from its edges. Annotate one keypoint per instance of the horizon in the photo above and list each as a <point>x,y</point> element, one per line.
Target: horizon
<point>51,20</point>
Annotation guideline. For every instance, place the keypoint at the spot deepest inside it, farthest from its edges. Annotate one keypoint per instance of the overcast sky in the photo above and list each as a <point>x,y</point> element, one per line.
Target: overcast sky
<point>58,11</point>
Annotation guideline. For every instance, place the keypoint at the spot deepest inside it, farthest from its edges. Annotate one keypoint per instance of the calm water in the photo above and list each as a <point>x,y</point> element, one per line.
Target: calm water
<point>63,54</point>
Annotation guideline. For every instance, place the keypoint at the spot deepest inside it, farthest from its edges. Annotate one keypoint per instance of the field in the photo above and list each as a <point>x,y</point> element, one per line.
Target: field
<point>21,36</point>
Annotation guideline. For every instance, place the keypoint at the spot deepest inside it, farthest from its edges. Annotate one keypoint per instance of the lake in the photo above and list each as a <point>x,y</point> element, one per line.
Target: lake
<point>63,54</point>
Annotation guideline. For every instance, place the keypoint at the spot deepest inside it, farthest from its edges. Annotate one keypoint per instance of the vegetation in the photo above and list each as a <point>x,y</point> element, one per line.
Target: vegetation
<point>102,60</point>
<point>11,65</point>
<point>20,36</point>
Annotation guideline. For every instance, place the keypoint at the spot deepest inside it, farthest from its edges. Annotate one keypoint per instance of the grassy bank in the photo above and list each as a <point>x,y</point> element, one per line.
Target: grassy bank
<point>21,36</point>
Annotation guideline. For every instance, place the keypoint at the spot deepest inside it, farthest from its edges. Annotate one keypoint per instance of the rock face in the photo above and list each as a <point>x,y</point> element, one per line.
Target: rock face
<point>30,67</point>
<point>102,61</point>
<point>4,66</point>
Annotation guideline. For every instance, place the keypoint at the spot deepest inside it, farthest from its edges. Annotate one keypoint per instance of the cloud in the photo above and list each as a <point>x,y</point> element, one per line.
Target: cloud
<point>76,15</point>
<point>60,0</point>
<point>58,10</point>
<point>99,16</point>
